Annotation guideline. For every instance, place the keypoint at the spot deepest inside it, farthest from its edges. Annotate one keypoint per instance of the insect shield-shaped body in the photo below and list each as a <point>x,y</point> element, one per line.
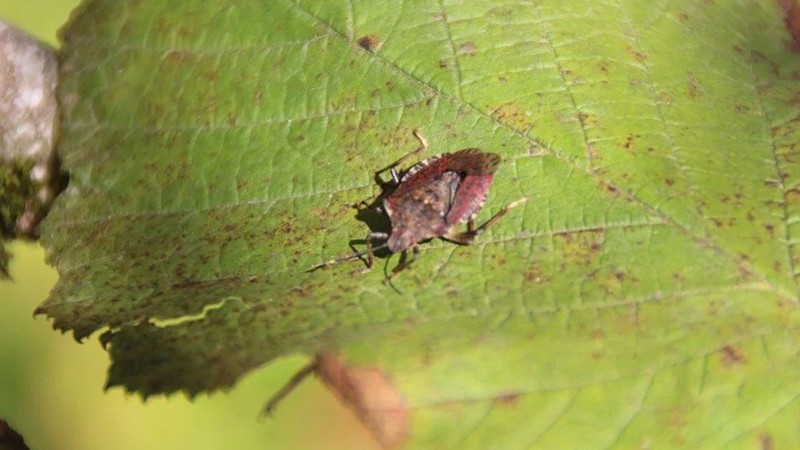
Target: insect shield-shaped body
<point>437,194</point>
<point>431,198</point>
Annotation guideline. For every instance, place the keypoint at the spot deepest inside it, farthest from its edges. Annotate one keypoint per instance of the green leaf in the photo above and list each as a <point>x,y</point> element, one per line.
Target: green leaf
<point>646,295</point>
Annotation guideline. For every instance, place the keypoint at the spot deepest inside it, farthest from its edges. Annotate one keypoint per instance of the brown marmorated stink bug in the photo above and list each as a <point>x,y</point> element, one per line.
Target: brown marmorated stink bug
<point>430,199</point>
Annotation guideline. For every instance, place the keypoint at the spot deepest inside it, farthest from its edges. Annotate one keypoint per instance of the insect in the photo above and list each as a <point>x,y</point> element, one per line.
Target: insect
<point>430,199</point>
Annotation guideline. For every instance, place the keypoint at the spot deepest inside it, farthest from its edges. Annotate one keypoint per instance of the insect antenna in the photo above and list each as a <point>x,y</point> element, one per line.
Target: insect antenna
<point>342,259</point>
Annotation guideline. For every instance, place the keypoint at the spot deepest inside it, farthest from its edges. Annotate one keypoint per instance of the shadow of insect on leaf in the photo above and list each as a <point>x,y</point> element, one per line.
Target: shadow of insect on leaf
<point>424,202</point>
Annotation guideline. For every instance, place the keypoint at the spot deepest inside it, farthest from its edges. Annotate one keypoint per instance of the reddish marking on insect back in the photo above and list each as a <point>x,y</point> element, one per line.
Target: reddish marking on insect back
<point>471,161</point>
<point>422,172</point>
<point>473,190</point>
<point>438,193</point>
<point>465,162</point>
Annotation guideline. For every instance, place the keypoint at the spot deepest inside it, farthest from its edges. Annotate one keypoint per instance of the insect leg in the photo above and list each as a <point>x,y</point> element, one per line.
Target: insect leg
<point>466,237</point>
<point>333,261</point>
<point>370,251</point>
<point>404,265</point>
<point>375,235</point>
<point>391,167</point>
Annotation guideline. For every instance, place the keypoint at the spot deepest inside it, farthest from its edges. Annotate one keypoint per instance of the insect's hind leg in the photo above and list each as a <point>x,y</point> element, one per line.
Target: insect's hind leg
<point>467,237</point>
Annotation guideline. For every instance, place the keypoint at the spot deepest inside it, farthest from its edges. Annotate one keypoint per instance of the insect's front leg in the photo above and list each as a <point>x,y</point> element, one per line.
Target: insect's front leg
<point>392,167</point>
<point>369,252</point>
<point>374,235</point>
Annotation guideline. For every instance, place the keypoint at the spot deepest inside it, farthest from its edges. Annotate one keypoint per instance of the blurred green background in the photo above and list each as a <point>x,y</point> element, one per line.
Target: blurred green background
<point>51,388</point>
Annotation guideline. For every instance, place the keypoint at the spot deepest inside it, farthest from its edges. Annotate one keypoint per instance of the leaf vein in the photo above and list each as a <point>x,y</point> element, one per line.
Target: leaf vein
<point>452,46</point>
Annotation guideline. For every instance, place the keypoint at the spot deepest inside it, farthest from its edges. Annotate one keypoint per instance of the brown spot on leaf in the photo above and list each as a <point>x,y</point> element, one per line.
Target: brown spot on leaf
<point>676,417</point>
<point>594,154</point>
<point>370,392</point>
<point>630,141</point>
<point>637,55</point>
<point>452,292</point>
<point>793,196</point>
<point>732,355</point>
<point>583,117</point>
<point>467,48</point>
<point>514,116</point>
<point>507,399</point>
<point>765,441</point>
<point>185,284</point>
<point>370,43</point>
<point>533,273</point>
<point>298,292</point>
<point>580,248</point>
<point>693,85</point>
